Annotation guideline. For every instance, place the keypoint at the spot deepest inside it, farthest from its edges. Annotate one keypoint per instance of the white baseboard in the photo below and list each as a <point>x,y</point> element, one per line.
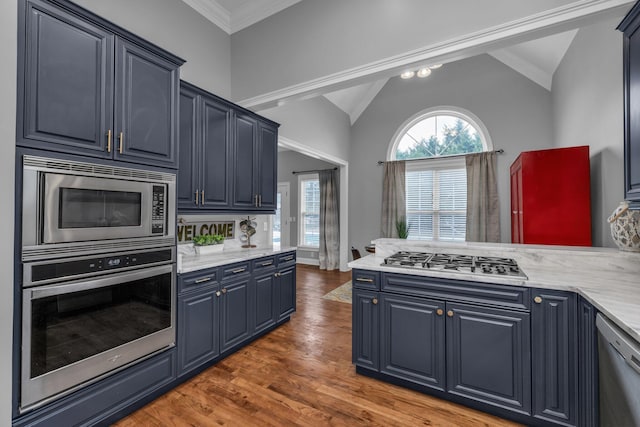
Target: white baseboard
<point>308,261</point>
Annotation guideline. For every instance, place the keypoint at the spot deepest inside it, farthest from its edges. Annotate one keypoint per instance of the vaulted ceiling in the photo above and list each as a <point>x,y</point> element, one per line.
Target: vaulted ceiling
<point>536,59</point>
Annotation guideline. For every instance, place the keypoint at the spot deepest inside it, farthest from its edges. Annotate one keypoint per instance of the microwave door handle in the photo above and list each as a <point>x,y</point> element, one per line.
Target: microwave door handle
<point>97,283</point>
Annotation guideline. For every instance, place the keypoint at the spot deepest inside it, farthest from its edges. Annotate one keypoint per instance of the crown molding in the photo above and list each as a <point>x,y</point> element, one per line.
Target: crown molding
<point>453,49</point>
<point>249,14</point>
<point>213,11</point>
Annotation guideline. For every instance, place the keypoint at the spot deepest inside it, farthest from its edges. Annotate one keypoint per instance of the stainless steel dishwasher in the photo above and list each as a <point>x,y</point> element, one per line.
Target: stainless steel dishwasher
<point>619,362</point>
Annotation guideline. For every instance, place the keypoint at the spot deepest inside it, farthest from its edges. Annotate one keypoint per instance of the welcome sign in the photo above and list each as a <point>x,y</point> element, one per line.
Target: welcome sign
<point>186,232</point>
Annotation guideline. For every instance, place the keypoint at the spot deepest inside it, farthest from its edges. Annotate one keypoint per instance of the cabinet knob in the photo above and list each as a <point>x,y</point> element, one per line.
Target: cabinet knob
<point>218,293</point>
<point>224,290</point>
<point>277,274</point>
<point>450,313</point>
<point>374,301</point>
<point>439,312</point>
<point>537,300</point>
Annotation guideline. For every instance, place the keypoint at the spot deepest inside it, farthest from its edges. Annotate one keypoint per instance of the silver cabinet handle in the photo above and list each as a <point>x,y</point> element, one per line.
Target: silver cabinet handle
<point>260,200</point>
<point>197,197</point>
<point>361,279</point>
<point>265,264</point>
<point>289,258</point>
<point>239,270</point>
<point>202,197</point>
<point>203,279</point>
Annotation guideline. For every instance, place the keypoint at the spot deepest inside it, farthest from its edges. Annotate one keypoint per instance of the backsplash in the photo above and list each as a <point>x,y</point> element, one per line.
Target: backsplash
<point>227,225</point>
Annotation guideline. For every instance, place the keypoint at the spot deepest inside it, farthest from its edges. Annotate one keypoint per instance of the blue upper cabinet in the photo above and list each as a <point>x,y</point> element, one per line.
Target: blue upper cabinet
<point>87,87</point>
<point>631,66</point>
<point>228,156</point>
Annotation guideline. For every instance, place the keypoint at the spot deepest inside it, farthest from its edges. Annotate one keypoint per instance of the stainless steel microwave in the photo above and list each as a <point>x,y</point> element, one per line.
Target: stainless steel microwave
<point>71,208</point>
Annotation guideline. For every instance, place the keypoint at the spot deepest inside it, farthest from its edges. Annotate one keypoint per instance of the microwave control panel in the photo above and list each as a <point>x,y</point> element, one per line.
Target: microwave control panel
<point>158,209</point>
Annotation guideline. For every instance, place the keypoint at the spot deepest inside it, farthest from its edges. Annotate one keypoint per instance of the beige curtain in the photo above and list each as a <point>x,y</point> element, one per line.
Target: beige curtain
<point>483,206</point>
<point>394,205</point>
<point>329,252</point>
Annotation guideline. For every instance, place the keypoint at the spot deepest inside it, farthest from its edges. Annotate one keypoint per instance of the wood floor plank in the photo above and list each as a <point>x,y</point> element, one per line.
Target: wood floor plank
<point>301,375</point>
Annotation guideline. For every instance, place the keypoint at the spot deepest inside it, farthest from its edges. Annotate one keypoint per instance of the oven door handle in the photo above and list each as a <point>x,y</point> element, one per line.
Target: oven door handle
<point>96,283</point>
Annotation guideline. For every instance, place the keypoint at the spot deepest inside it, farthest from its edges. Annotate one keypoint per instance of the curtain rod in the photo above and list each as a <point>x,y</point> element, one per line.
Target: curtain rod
<point>381,162</point>
<point>314,170</point>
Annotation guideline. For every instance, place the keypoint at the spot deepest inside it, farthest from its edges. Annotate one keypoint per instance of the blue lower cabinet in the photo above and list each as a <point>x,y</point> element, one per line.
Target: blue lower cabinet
<point>286,292</point>
<point>588,382</point>
<point>413,340</point>
<point>366,330</point>
<point>109,399</point>
<point>235,317</point>
<point>198,330</point>
<point>489,356</point>
<point>555,362</point>
<point>265,298</point>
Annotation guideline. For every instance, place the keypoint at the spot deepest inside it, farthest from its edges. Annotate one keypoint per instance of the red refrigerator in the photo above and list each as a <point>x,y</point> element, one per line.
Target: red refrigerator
<point>551,197</point>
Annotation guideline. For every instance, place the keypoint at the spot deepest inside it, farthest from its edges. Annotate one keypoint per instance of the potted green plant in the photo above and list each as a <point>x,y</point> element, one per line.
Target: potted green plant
<point>208,243</point>
<point>402,227</point>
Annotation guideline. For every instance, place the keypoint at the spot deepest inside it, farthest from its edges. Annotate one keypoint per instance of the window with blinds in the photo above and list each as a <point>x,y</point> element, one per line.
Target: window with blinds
<point>309,233</point>
<point>436,203</point>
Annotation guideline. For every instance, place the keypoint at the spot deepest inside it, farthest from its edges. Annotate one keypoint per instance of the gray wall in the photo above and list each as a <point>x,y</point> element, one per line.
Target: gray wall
<point>587,98</point>
<point>176,27</point>
<point>315,123</point>
<point>516,112</point>
<point>289,161</point>
<point>317,38</point>
<point>8,35</point>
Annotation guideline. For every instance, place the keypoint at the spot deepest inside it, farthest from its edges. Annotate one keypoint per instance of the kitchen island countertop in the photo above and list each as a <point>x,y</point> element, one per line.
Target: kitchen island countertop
<point>189,261</point>
<point>607,278</point>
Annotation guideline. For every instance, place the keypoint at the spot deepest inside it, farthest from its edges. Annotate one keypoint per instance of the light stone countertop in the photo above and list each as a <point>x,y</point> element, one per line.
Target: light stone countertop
<point>609,279</point>
<point>189,261</point>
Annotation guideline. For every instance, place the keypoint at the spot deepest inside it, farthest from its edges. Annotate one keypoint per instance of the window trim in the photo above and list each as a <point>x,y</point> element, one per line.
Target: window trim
<point>458,112</point>
<point>301,178</point>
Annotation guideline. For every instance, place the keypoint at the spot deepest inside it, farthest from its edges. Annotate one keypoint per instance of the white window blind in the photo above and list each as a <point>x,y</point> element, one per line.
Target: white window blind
<point>309,211</point>
<point>436,202</point>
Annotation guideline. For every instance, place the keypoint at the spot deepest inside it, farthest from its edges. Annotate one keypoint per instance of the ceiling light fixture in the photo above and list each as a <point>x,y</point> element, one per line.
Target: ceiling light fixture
<point>423,72</point>
<point>407,74</point>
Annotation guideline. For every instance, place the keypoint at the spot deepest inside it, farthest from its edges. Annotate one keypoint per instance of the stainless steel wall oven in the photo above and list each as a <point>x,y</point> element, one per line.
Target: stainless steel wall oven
<point>98,262</point>
<point>74,207</point>
<point>85,317</point>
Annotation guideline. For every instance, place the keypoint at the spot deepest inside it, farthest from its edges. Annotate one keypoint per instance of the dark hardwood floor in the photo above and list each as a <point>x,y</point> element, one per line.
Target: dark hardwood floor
<point>301,374</point>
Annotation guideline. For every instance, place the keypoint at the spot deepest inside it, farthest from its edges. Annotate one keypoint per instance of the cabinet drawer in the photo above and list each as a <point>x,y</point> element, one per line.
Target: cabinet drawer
<point>265,263</point>
<point>286,258</point>
<point>364,279</point>
<point>457,290</point>
<point>237,269</point>
<point>197,279</point>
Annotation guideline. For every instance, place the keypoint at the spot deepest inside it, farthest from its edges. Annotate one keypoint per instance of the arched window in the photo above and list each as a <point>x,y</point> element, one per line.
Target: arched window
<point>436,178</point>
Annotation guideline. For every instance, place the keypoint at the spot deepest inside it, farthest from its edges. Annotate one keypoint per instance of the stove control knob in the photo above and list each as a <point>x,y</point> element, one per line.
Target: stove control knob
<point>537,300</point>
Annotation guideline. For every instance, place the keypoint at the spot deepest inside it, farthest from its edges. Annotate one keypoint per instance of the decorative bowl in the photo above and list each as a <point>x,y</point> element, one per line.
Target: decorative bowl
<point>208,249</point>
<point>625,228</point>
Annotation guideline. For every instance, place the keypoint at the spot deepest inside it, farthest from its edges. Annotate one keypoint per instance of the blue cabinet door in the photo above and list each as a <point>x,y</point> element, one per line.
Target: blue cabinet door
<point>265,299</point>
<point>235,318</point>
<point>588,365</point>
<point>413,340</point>
<point>554,352</point>
<point>65,81</point>
<point>366,332</point>
<point>267,166</point>
<point>188,187</point>
<point>198,328</point>
<point>286,291</point>
<point>146,106</point>
<point>245,134</point>
<point>489,356</point>
<point>215,155</point>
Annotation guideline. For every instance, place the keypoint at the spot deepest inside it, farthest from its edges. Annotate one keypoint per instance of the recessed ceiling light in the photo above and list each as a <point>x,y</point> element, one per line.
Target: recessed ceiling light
<point>433,67</point>
<point>423,72</point>
<point>407,74</point>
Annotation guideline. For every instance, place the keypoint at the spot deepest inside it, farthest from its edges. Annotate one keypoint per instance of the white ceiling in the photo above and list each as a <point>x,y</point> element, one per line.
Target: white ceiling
<point>234,15</point>
<point>536,59</point>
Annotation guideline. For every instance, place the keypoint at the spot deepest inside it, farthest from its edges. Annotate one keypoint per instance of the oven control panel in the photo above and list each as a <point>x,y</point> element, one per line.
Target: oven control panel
<point>53,271</point>
<point>158,209</point>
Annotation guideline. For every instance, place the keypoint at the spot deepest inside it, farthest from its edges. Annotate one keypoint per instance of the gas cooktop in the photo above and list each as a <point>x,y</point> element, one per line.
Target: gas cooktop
<point>479,265</point>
